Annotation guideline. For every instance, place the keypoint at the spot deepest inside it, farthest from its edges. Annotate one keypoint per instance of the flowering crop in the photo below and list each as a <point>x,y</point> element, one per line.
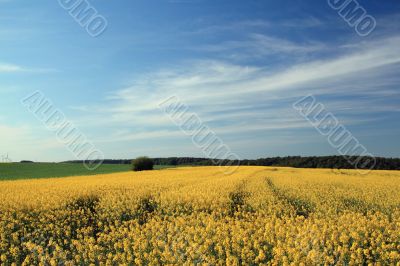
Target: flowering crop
<point>186,216</point>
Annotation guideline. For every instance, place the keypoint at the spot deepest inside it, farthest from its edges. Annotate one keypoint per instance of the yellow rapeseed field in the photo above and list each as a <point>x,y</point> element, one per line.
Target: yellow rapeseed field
<point>198,215</point>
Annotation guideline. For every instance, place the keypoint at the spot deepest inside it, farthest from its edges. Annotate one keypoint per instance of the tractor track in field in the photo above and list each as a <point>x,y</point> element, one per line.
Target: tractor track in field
<point>300,206</point>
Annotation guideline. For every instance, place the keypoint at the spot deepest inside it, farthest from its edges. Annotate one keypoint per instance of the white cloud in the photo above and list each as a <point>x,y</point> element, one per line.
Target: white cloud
<point>320,73</point>
<point>10,68</point>
<point>239,101</point>
<point>254,24</point>
<point>260,45</point>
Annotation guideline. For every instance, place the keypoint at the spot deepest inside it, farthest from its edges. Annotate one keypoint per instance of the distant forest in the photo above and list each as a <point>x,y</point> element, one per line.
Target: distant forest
<point>337,162</point>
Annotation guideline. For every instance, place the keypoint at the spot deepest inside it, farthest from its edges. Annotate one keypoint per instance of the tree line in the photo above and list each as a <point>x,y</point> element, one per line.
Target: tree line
<point>337,162</point>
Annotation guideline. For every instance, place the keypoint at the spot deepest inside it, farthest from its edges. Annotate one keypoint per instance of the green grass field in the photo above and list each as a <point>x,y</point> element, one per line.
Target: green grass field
<point>14,171</point>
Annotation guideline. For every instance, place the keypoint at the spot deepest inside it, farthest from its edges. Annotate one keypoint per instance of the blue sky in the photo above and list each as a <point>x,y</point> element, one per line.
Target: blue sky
<point>238,64</point>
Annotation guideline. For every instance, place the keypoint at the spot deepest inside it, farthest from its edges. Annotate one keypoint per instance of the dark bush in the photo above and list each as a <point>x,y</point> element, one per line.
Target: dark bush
<point>142,163</point>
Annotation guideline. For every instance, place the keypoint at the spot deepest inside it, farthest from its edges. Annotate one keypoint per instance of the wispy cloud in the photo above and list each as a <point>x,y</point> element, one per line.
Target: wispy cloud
<point>237,100</point>
<point>260,45</point>
<point>233,26</point>
<point>12,68</point>
<point>255,24</point>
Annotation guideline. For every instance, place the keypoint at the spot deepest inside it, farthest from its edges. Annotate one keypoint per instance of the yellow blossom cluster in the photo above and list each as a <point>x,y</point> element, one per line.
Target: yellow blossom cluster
<point>199,216</point>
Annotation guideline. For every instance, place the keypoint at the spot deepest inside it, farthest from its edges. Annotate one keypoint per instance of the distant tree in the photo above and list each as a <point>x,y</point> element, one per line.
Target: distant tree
<point>142,163</point>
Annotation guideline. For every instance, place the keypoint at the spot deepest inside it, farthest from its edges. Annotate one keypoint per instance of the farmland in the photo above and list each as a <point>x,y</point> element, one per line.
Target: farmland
<point>15,171</point>
<point>186,216</point>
